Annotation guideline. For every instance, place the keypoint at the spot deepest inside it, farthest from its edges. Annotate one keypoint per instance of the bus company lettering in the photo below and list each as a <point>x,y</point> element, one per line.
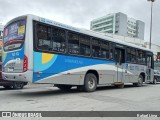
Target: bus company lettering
<point>73,61</point>
<point>15,54</point>
<point>132,67</point>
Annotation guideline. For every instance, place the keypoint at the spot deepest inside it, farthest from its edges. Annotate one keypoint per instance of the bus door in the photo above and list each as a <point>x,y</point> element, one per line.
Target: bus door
<point>150,68</point>
<point>120,60</point>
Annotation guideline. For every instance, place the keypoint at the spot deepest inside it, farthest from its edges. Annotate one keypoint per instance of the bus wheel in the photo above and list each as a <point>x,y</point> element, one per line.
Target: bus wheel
<point>140,82</point>
<point>155,81</point>
<point>17,85</point>
<point>90,82</point>
<point>7,87</point>
<point>80,88</point>
<point>64,87</point>
<point>120,86</point>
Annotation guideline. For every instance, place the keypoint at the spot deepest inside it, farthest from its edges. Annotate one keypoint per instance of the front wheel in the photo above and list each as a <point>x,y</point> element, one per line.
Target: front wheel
<point>140,82</point>
<point>90,83</point>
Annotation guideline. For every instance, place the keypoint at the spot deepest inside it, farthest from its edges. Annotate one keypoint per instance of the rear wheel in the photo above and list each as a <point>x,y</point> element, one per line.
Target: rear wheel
<point>140,82</point>
<point>64,87</point>
<point>120,86</point>
<point>17,85</point>
<point>7,87</point>
<point>90,82</point>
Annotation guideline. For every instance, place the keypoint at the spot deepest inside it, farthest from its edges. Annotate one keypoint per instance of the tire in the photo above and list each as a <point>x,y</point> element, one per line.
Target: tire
<point>7,87</point>
<point>90,83</point>
<point>80,88</point>
<point>17,85</point>
<point>140,82</point>
<point>120,86</point>
<point>64,87</point>
<point>155,81</point>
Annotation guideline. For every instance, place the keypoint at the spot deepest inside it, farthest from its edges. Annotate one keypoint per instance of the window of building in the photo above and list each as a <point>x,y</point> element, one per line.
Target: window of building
<point>73,43</point>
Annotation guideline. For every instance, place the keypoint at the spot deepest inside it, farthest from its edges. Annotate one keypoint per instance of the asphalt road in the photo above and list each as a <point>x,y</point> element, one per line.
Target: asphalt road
<point>48,98</point>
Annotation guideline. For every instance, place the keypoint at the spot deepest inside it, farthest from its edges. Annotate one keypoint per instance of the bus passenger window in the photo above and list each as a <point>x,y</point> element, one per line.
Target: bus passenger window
<point>129,56</point>
<point>149,61</point>
<point>105,50</point>
<point>141,57</point>
<point>73,43</point>
<point>111,51</point>
<point>133,55</point>
<point>84,45</point>
<point>44,37</point>
<point>96,51</point>
<point>58,40</point>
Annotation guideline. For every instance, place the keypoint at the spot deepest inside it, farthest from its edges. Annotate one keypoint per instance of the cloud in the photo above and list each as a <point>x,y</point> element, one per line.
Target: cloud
<point>79,13</point>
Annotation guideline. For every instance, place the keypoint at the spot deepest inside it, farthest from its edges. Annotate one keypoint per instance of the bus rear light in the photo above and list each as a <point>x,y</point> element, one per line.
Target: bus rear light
<point>25,63</point>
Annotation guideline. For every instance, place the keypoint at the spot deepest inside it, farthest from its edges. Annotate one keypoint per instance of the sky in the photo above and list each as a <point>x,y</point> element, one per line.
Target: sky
<point>79,13</point>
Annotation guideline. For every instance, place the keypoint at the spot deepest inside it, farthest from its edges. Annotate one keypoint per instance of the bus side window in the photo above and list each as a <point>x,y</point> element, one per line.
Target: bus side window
<point>84,45</point>
<point>44,37</point>
<point>133,55</point>
<point>149,59</point>
<point>96,52</point>
<point>73,43</point>
<point>111,51</point>
<point>128,54</point>
<point>58,40</point>
<point>105,50</point>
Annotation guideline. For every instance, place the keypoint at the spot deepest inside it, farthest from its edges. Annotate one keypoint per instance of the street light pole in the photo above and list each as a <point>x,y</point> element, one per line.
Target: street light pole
<point>150,43</point>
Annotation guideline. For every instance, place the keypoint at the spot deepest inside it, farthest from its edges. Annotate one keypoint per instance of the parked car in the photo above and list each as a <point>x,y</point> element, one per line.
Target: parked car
<point>156,76</point>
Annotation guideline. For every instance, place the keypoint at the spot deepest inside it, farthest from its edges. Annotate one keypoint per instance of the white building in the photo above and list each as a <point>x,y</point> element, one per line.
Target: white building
<point>119,24</point>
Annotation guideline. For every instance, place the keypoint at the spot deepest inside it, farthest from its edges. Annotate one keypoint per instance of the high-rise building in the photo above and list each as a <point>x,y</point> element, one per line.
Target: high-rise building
<point>120,24</point>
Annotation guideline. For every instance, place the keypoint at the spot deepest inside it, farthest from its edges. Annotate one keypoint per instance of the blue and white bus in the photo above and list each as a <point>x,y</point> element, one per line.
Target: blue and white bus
<point>39,50</point>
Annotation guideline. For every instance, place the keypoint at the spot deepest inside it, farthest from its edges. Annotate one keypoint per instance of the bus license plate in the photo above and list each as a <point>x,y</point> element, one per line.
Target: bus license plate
<point>10,69</point>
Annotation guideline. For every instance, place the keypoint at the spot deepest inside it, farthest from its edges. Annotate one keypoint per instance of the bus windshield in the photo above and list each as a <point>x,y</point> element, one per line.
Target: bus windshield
<point>14,35</point>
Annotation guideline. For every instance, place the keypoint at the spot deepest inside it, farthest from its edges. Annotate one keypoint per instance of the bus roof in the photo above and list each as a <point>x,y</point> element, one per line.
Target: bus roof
<point>83,31</point>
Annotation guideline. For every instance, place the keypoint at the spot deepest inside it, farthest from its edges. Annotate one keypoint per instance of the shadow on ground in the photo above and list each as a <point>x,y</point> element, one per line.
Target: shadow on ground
<point>52,91</point>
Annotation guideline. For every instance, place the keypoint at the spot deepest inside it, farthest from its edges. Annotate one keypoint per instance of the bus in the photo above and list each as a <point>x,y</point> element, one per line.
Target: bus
<point>42,51</point>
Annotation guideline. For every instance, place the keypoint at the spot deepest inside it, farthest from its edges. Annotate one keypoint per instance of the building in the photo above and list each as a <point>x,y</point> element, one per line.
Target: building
<point>1,31</point>
<point>119,24</point>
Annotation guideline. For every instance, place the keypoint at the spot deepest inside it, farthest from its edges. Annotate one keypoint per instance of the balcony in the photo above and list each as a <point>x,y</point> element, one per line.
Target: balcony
<point>111,19</point>
<point>111,24</point>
